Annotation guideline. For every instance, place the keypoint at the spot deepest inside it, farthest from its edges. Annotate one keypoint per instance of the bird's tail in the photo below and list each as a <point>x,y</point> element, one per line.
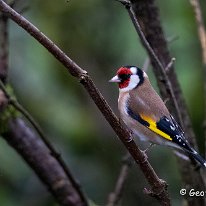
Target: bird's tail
<point>198,158</point>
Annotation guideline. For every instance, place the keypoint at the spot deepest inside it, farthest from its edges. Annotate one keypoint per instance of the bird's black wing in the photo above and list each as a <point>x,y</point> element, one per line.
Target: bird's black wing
<point>166,127</point>
<point>169,129</point>
<point>172,128</point>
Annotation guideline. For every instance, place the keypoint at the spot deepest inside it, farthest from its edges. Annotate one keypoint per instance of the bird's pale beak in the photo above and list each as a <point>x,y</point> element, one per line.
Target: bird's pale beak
<point>115,79</point>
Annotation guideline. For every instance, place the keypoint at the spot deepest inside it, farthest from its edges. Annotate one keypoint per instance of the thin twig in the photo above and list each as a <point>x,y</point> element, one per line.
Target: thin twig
<point>147,13</point>
<point>147,60</point>
<point>158,186</point>
<point>202,37</point>
<point>37,155</point>
<point>37,127</point>
<point>154,56</point>
<point>170,64</point>
<point>115,197</point>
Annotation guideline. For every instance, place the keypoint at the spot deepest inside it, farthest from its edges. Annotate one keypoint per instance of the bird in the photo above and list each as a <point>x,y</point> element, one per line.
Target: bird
<point>145,113</point>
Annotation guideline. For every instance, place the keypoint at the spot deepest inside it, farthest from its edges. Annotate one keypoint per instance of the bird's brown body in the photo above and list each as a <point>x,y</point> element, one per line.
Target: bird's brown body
<point>145,101</point>
<point>145,114</point>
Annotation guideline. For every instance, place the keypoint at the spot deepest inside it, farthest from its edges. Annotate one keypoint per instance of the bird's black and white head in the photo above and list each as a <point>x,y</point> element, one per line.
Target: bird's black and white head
<point>129,77</point>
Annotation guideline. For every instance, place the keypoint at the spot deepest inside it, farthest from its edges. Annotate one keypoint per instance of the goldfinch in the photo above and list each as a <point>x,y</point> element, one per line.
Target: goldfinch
<point>145,114</point>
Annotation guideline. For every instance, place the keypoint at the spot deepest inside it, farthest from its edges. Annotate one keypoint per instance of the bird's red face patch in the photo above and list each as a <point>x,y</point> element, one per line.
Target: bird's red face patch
<point>124,75</point>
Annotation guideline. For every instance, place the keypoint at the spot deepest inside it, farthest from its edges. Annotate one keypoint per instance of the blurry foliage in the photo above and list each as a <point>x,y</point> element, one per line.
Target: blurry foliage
<point>100,37</point>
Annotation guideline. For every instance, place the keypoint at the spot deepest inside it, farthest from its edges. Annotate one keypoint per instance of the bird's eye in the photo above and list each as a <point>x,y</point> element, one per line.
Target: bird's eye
<point>124,76</point>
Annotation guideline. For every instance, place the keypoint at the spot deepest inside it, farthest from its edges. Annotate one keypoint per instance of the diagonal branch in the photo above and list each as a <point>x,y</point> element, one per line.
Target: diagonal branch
<point>67,193</point>
<point>24,140</point>
<point>53,151</point>
<point>158,186</point>
<point>153,56</point>
<point>147,16</point>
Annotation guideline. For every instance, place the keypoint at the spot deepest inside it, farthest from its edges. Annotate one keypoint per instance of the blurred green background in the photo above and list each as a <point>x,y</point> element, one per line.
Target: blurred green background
<point>100,37</point>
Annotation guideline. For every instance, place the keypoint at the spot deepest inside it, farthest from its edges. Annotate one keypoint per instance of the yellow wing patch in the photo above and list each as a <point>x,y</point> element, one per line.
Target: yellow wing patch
<point>152,126</point>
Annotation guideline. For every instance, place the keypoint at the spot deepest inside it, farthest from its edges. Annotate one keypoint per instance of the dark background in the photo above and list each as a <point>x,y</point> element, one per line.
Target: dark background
<point>100,37</point>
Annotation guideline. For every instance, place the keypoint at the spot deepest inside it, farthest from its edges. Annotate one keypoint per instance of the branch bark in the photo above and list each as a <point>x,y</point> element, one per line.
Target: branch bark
<point>44,139</point>
<point>24,140</point>
<point>158,186</point>
<point>147,14</point>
